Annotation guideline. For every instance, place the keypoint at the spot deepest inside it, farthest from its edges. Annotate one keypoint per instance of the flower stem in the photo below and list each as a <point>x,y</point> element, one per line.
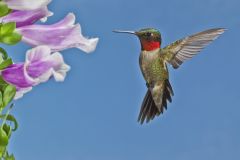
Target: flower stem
<point>5,118</point>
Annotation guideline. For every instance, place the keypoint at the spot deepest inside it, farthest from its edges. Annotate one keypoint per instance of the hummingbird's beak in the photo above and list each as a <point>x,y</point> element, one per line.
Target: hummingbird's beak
<point>128,32</point>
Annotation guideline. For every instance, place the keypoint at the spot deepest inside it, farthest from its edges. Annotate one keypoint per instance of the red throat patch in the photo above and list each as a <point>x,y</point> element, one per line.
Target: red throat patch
<point>150,45</point>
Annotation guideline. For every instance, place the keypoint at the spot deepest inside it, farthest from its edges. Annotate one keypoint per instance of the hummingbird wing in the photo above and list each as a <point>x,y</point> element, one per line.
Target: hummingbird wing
<point>184,49</point>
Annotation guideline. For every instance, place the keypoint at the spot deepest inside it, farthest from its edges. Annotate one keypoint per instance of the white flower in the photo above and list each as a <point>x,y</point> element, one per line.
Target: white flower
<point>26,4</point>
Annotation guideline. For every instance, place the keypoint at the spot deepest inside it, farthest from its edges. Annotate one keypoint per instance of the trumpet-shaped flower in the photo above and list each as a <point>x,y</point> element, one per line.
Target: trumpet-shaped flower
<point>27,17</point>
<point>59,36</point>
<point>26,4</point>
<point>39,66</point>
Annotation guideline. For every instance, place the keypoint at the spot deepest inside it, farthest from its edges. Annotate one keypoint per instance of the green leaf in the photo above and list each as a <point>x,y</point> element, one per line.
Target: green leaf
<point>3,138</point>
<point>11,118</point>
<point>8,94</point>
<point>4,53</point>
<point>2,81</point>
<point>4,10</point>
<point>11,157</point>
<point>2,151</point>
<point>1,100</point>
<point>8,28</point>
<point>3,84</point>
<point>6,63</point>
<point>8,157</point>
<point>11,39</point>
<point>7,129</point>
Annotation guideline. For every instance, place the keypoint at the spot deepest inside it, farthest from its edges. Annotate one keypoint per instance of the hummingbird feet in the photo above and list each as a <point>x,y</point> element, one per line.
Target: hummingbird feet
<point>147,84</point>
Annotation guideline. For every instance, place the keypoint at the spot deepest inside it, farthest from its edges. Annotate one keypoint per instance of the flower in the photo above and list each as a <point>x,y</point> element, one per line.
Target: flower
<point>39,66</point>
<point>27,17</point>
<point>26,4</point>
<point>59,36</point>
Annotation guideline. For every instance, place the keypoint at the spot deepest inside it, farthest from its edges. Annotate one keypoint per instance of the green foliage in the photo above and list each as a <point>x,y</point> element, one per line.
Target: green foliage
<point>9,124</point>
<point>7,28</point>
<point>12,119</point>
<point>8,157</point>
<point>4,10</point>
<point>5,133</point>
<point>7,91</point>
<point>3,138</point>
<point>4,53</point>
<point>7,129</point>
<point>8,94</point>
<point>6,63</point>
<point>8,35</point>
<point>11,39</point>
<point>1,100</point>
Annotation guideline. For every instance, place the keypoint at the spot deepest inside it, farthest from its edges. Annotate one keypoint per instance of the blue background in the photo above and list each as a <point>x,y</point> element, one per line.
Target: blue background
<point>93,114</point>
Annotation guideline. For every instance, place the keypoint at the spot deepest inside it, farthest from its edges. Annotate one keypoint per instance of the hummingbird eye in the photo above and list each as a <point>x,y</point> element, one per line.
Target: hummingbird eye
<point>149,34</point>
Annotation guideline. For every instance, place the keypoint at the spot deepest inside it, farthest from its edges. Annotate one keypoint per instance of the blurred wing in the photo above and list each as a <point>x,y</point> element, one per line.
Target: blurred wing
<point>184,49</point>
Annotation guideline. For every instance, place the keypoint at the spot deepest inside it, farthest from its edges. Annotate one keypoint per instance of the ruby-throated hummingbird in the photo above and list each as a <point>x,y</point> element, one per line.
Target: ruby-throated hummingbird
<point>153,63</point>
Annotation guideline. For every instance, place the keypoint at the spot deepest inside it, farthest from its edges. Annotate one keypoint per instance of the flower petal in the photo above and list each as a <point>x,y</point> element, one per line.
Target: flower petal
<point>16,75</point>
<point>59,36</point>
<point>42,64</point>
<point>26,4</point>
<point>23,18</point>
<point>39,67</point>
<point>21,91</point>
<point>66,22</point>
<point>60,68</point>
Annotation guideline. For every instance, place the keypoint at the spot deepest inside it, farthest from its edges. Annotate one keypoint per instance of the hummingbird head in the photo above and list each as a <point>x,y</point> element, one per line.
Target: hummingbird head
<point>150,38</point>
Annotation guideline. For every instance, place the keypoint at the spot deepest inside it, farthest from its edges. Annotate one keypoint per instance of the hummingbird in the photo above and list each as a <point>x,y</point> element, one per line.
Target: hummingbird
<point>153,62</point>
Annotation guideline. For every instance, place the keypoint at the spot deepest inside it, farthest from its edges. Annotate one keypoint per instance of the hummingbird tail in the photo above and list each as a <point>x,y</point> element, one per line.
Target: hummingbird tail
<point>149,109</point>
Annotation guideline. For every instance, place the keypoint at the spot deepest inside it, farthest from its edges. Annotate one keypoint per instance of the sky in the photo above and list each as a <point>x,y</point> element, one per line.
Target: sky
<point>92,115</point>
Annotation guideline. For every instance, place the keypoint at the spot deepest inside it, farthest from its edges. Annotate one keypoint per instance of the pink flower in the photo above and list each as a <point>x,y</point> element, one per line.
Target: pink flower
<point>59,36</point>
<point>28,17</point>
<point>39,66</point>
